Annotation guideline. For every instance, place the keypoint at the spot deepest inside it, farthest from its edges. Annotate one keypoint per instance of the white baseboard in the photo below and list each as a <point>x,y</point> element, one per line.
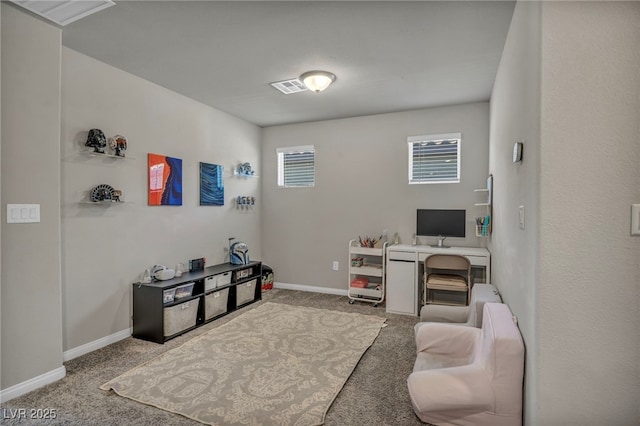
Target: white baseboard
<point>32,384</point>
<point>310,288</point>
<point>95,345</point>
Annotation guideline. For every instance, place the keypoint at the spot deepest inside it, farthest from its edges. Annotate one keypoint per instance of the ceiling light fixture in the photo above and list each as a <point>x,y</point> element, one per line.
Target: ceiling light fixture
<point>317,80</point>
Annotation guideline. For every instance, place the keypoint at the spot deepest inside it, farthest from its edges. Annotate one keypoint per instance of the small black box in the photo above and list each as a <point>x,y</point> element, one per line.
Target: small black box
<point>196,264</point>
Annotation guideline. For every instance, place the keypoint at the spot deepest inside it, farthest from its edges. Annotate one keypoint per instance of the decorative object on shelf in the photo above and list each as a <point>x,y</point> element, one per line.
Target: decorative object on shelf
<point>245,169</point>
<point>118,144</point>
<point>179,269</point>
<point>116,196</point>
<point>162,273</point>
<point>369,242</point>
<point>211,185</point>
<point>239,252</point>
<point>96,140</point>
<point>197,264</point>
<point>245,201</point>
<point>105,193</point>
<point>146,277</point>
<point>165,180</point>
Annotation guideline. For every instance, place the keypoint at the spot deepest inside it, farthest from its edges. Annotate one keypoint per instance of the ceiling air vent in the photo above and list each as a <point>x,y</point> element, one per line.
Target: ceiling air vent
<point>64,12</point>
<point>290,86</point>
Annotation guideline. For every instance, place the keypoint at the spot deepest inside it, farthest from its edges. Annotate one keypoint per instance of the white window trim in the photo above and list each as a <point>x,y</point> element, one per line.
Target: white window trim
<point>411,140</point>
<point>280,152</point>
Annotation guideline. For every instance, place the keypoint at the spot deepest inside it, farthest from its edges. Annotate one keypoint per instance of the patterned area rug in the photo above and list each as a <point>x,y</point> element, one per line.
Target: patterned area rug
<point>273,365</point>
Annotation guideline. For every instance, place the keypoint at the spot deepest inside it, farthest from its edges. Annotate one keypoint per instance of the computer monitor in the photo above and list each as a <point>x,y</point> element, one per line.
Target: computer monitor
<point>441,223</point>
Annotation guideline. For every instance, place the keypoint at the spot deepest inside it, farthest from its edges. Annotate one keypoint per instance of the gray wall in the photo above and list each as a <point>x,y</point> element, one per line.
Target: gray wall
<point>31,290</point>
<point>515,116</point>
<point>572,275</point>
<point>106,248</point>
<point>362,188</point>
<point>1,204</point>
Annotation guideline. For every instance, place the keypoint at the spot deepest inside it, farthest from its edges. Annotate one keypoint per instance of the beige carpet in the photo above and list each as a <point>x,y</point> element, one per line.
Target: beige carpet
<point>275,364</point>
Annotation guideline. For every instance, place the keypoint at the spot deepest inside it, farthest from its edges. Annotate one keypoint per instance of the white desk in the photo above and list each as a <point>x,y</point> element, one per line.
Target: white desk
<point>405,266</point>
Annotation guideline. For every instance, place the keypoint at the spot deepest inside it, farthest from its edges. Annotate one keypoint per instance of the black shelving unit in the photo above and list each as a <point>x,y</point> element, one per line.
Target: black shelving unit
<point>157,321</point>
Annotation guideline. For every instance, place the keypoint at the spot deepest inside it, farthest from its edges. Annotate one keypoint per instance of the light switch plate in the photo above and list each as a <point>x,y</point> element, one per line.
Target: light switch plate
<point>635,219</point>
<point>517,152</point>
<point>23,213</point>
<point>521,216</point>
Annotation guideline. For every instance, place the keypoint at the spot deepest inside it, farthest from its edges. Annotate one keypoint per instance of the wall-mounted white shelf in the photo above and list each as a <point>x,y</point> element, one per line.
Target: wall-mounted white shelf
<point>484,223</point>
<point>92,154</point>
<point>243,175</point>
<point>103,203</point>
<point>105,155</point>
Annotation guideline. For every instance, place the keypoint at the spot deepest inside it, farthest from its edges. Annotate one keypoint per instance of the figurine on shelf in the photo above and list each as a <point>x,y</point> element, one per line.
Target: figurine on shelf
<point>96,140</point>
<point>245,201</point>
<point>105,192</point>
<point>245,169</point>
<point>118,144</point>
<point>116,196</point>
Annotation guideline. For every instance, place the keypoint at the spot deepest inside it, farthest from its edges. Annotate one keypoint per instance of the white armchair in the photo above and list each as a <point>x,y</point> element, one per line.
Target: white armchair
<point>469,376</point>
<point>466,315</point>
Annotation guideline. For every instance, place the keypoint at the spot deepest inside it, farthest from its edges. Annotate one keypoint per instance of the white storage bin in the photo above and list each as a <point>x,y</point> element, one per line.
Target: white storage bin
<point>216,303</point>
<point>184,290</point>
<point>244,273</point>
<point>224,279</point>
<point>246,292</point>
<point>210,283</point>
<point>168,295</point>
<point>180,317</point>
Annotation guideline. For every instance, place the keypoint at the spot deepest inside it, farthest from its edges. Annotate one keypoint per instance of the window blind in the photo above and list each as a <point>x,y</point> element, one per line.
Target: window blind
<point>434,158</point>
<point>296,166</point>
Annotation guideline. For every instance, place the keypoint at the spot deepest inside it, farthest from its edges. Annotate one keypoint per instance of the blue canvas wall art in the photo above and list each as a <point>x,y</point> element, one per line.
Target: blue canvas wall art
<point>211,185</point>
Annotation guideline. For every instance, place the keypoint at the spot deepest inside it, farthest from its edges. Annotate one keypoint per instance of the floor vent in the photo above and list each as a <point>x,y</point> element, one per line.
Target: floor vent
<point>290,86</point>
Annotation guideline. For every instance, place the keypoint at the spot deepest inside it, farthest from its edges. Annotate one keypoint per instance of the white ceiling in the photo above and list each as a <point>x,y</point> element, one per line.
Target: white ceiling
<point>387,56</point>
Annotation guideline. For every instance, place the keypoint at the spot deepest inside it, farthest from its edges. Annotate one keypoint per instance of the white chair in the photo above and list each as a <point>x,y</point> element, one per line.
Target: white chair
<point>470,315</point>
<point>469,376</point>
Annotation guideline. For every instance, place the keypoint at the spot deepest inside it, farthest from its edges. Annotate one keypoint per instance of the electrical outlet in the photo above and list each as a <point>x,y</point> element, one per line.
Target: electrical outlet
<point>336,265</point>
<point>521,216</point>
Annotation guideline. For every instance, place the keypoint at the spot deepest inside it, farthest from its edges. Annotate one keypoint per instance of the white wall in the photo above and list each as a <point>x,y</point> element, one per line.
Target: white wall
<point>1,204</point>
<point>362,188</point>
<point>106,248</point>
<point>589,292</point>
<point>31,290</point>
<point>572,275</point>
<point>515,116</point>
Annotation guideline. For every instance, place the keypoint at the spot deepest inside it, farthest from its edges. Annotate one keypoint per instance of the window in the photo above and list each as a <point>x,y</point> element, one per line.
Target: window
<point>296,166</point>
<point>434,158</point>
